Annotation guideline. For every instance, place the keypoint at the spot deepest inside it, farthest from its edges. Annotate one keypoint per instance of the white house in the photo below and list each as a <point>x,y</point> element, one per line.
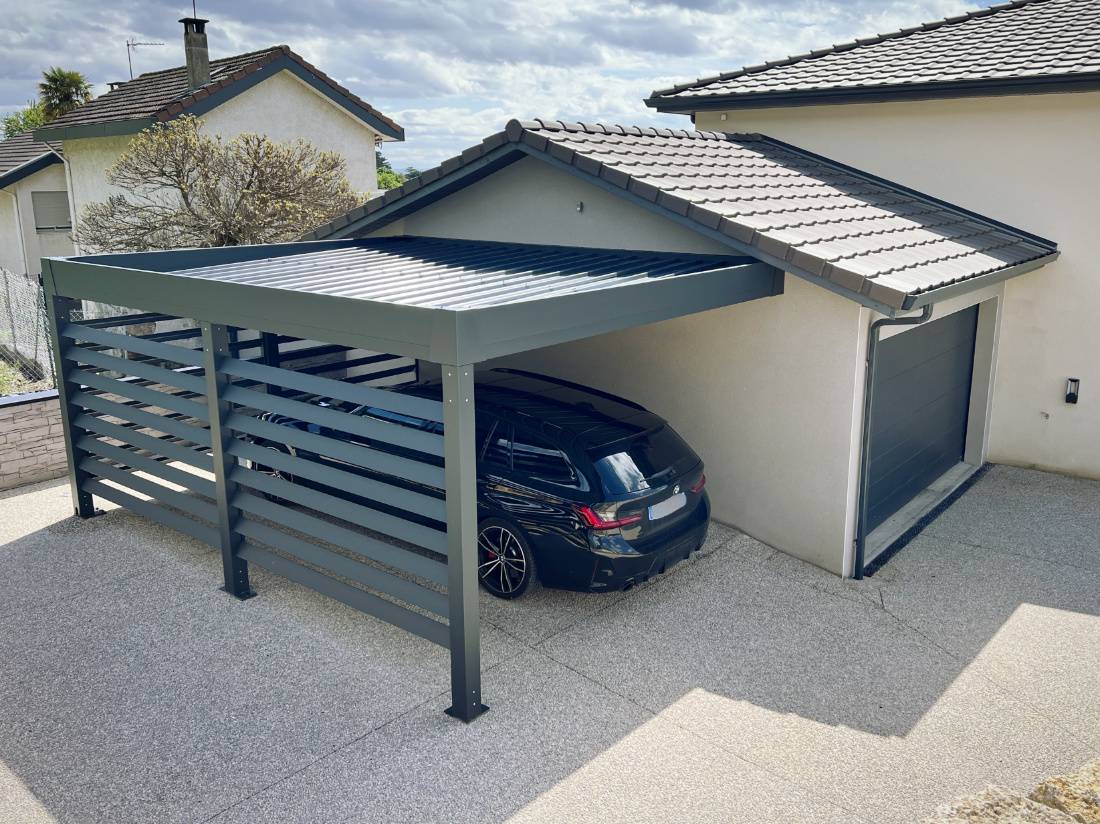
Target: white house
<point>63,166</point>
<point>913,337</point>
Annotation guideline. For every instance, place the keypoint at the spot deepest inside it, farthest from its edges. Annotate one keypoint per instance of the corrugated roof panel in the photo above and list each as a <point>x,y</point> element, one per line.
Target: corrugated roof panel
<point>457,274</point>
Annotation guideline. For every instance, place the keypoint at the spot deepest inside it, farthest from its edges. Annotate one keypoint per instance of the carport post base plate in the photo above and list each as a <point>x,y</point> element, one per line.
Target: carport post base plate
<point>240,596</point>
<point>469,715</point>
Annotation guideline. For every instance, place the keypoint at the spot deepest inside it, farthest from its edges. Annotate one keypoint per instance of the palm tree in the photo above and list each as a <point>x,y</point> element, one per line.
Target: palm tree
<point>62,91</point>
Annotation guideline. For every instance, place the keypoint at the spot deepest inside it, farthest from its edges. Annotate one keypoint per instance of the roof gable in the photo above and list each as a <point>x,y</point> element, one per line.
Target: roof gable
<point>1020,46</point>
<point>156,97</point>
<point>22,155</point>
<point>877,242</point>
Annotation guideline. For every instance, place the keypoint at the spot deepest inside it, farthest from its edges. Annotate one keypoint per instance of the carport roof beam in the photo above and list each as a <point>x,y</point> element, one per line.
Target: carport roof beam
<point>445,301</point>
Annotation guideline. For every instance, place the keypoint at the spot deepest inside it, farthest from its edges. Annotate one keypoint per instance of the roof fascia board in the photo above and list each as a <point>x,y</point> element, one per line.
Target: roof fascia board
<point>519,327</point>
<point>953,290</point>
<point>28,168</point>
<point>384,327</point>
<point>284,63</point>
<point>430,192</point>
<point>993,87</point>
<point>713,234</point>
<point>113,128</point>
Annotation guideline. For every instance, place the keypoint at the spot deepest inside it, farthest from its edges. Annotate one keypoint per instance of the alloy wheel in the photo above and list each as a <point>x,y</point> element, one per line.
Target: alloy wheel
<point>502,563</point>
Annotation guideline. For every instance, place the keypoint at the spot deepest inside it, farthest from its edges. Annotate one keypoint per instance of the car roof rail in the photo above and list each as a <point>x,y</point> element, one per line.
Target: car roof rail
<point>578,386</point>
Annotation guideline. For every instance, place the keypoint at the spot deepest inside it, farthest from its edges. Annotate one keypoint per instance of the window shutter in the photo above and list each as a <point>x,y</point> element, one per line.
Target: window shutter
<point>51,210</point>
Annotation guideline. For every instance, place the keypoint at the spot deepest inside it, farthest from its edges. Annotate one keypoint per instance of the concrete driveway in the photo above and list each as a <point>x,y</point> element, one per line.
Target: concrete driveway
<point>744,686</point>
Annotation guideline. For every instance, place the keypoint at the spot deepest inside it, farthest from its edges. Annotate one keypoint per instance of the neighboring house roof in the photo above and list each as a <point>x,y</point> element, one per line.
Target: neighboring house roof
<point>159,96</point>
<point>879,242</point>
<point>21,156</point>
<point>1024,46</point>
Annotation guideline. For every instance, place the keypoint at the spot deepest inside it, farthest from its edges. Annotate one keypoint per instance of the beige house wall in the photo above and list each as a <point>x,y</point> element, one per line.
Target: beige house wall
<point>34,244</point>
<point>1030,161</point>
<point>765,391</point>
<point>282,107</point>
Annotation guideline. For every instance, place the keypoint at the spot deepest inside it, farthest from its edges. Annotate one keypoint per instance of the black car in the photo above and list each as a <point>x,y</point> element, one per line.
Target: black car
<point>577,488</point>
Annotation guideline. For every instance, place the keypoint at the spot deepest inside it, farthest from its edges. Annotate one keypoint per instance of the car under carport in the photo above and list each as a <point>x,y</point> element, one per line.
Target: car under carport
<point>652,262</point>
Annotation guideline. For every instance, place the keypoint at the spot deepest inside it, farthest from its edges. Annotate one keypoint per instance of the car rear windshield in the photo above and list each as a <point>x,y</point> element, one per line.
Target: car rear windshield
<point>642,462</point>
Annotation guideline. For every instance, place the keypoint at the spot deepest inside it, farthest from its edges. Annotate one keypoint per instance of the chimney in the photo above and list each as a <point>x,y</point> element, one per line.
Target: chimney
<point>194,48</point>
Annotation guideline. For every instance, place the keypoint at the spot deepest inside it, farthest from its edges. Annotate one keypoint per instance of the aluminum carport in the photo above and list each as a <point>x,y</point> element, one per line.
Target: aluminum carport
<point>450,302</point>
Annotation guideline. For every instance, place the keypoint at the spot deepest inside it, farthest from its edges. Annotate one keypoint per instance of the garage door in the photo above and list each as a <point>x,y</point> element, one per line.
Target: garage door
<point>920,408</point>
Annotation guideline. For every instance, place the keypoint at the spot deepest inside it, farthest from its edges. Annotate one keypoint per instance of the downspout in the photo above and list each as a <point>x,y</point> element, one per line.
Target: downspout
<point>865,440</point>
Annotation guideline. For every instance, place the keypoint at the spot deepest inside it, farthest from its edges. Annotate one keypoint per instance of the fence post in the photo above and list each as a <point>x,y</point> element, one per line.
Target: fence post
<point>460,472</point>
<point>215,348</point>
<point>59,311</point>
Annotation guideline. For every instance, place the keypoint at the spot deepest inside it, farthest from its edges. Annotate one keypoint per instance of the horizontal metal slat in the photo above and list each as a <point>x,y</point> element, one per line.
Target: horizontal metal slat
<point>385,373</point>
<point>177,500</point>
<point>130,343</point>
<point>345,364</point>
<point>148,420</point>
<point>148,509</point>
<point>391,433</point>
<point>162,446</point>
<point>395,527</point>
<point>327,387</point>
<point>370,488</point>
<point>365,457</point>
<point>141,369</point>
<point>381,551</point>
<point>285,356</point>
<point>126,320</point>
<point>365,574</point>
<point>129,389</point>
<point>164,471</point>
<point>380,608</point>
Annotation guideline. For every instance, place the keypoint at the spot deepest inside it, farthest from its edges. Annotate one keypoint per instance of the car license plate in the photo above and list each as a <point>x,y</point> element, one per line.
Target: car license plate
<point>667,506</point>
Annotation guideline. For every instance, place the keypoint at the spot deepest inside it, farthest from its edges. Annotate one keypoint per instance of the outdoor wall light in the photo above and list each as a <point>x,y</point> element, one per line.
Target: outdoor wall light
<point>580,205</point>
<point>1073,385</point>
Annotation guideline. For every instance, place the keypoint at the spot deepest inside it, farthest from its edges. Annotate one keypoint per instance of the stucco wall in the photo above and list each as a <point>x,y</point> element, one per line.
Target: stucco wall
<point>764,391</point>
<point>282,107</point>
<point>37,244</point>
<point>1030,161</point>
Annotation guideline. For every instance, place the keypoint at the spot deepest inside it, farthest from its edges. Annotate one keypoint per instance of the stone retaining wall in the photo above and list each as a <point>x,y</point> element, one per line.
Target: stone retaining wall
<point>32,446</point>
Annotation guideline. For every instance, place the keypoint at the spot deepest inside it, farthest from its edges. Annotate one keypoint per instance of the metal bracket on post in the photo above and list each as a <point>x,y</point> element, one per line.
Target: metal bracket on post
<point>59,311</point>
<point>460,470</point>
<point>215,347</point>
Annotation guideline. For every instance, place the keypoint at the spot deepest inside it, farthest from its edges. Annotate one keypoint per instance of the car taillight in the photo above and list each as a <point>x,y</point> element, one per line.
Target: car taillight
<point>697,487</point>
<point>595,520</point>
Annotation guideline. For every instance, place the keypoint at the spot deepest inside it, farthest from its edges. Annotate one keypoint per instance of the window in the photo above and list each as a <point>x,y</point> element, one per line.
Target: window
<point>51,211</point>
<point>498,450</point>
<point>540,461</point>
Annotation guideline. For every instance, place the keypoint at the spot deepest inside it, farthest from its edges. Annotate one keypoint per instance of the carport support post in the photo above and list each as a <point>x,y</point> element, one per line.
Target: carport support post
<point>460,471</point>
<point>215,348</point>
<point>59,313</point>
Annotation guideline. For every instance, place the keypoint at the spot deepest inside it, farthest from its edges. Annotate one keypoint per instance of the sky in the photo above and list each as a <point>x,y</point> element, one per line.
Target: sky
<point>454,71</point>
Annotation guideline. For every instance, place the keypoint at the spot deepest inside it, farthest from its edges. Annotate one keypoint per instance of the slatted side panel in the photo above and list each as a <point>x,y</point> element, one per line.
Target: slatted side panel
<point>141,433</point>
<point>339,486</point>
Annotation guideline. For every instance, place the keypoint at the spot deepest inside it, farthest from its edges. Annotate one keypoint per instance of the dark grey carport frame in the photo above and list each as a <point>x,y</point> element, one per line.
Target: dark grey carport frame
<point>455,339</point>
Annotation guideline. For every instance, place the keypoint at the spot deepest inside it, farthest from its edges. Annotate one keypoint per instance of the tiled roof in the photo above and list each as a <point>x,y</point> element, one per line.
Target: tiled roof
<point>1024,45</point>
<point>17,153</point>
<point>806,213</point>
<point>163,95</point>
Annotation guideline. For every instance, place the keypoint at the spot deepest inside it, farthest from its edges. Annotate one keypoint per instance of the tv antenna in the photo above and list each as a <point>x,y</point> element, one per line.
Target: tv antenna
<point>131,45</point>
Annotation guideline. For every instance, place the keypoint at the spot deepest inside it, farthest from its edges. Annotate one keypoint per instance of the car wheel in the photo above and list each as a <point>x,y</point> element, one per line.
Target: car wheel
<point>274,473</point>
<point>505,564</point>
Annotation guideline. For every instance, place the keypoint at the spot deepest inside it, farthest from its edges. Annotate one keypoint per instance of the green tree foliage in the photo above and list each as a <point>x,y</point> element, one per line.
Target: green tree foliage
<point>29,117</point>
<point>390,178</point>
<point>62,90</point>
<point>183,188</point>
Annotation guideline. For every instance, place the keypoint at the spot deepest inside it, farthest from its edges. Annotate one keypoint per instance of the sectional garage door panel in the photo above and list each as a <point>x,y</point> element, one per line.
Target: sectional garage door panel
<point>920,410</point>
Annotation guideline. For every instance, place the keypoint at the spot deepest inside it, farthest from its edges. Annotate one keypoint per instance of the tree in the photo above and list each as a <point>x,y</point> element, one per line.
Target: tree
<point>183,188</point>
<point>388,177</point>
<point>62,90</point>
<point>29,117</point>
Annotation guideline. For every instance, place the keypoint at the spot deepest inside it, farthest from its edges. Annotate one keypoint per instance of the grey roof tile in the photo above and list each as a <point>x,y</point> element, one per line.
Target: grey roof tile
<point>162,95</point>
<point>819,218</point>
<point>21,149</point>
<point>1021,40</point>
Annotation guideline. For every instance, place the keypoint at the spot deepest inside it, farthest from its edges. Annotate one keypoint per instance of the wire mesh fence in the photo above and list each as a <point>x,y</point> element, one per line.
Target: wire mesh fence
<point>26,363</point>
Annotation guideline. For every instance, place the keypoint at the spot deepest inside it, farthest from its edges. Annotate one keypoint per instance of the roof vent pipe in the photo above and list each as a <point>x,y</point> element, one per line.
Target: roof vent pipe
<point>196,52</point>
